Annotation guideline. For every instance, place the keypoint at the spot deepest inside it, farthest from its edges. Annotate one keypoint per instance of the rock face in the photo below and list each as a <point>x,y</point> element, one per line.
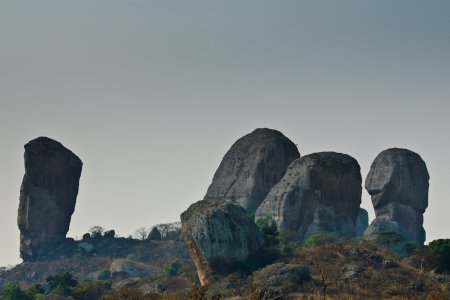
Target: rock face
<point>320,193</point>
<point>218,235</point>
<point>124,268</point>
<point>398,184</point>
<point>362,222</point>
<point>253,165</point>
<point>47,196</point>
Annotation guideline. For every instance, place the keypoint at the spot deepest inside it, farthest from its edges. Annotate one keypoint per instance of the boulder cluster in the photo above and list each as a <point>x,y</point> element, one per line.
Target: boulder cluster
<point>316,194</point>
<point>262,177</point>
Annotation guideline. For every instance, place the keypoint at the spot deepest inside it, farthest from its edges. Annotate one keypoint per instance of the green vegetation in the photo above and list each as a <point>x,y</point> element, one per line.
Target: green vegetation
<point>389,239</point>
<point>441,249</point>
<point>320,240</point>
<point>12,291</point>
<point>63,284</point>
<point>410,247</point>
<point>269,229</point>
<point>173,267</point>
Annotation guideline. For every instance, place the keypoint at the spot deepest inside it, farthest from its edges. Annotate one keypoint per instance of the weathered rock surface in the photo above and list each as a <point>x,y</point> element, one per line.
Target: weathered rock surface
<point>124,268</point>
<point>320,193</point>
<point>218,236</point>
<point>253,165</point>
<point>277,275</point>
<point>398,185</point>
<point>47,196</point>
<point>362,222</point>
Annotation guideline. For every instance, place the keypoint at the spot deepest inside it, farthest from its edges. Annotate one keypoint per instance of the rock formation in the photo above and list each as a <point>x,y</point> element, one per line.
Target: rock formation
<point>320,193</point>
<point>124,268</point>
<point>362,222</point>
<point>398,184</point>
<point>253,165</point>
<point>278,276</point>
<point>219,236</point>
<point>47,196</point>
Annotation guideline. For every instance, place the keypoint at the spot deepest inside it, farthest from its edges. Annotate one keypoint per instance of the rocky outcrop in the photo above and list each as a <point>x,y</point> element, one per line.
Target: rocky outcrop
<point>219,236</point>
<point>398,185</point>
<point>320,193</point>
<point>362,222</point>
<point>278,276</point>
<point>253,165</point>
<point>47,196</point>
<point>167,231</point>
<point>124,268</point>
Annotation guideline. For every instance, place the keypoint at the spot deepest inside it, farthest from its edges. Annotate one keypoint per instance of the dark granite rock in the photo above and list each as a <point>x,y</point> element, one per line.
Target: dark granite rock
<point>320,193</point>
<point>398,185</point>
<point>253,165</point>
<point>362,222</point>
<point>219,236</point>
<point>47,196</point>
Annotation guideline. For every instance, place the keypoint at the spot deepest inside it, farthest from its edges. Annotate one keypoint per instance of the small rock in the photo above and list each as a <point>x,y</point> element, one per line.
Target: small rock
<point>88,247</point>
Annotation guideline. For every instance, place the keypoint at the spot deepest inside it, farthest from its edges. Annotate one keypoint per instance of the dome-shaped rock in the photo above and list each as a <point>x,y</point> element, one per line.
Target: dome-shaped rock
<point>320,193</point>
<point>253,165</point>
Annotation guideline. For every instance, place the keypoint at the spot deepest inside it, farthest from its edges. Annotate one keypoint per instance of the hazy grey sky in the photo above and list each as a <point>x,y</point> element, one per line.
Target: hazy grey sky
<point>151,94</point>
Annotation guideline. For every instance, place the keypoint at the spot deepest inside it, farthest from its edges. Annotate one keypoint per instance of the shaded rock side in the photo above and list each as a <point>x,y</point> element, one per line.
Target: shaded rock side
<point>362,222</point>
<point>253,165</point>
<point>280,275</point>
<point>320,193</point>
<point>398,185</point>
<point>47,196</point>
<point>219,236</point>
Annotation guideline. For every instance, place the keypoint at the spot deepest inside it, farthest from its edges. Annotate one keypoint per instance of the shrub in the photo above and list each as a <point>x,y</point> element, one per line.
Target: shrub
<point>96,231</point>
<point>388,238</point>
<point>320,240</point>
<point>441,249</point>
<point>12,291</point>
<point>410,247</point>
<point>62,284</point>
<point>173,267</point>
<point>269,229</point>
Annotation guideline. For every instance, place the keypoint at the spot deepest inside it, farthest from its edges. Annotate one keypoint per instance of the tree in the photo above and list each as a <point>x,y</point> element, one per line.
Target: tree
<point>141,233</point>
<point>96,231</point>
<point>62,284</point>
<point>173,267</point>
<point>410,247</point>
<point>12,291</point>
<point>388,238</point>
<point>441,249</point>
<point>269,229</point>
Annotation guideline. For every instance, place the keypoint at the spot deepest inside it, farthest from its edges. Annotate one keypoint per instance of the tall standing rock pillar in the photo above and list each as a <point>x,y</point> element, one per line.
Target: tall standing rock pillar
<point>47,196</point>
<point>398,185</point>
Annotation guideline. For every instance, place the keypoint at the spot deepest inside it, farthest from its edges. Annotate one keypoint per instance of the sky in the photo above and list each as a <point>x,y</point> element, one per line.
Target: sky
<point>151,94</point>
